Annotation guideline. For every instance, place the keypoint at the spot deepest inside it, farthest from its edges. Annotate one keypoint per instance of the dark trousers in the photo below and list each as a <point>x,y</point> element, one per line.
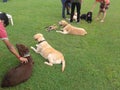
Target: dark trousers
<point>63,8</point>
<point>78,7</point>
<point>4,0</point>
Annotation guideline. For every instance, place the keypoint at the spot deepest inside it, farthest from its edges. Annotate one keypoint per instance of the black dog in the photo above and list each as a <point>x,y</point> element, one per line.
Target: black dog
<point>87,17</point>
<point>20,73</point>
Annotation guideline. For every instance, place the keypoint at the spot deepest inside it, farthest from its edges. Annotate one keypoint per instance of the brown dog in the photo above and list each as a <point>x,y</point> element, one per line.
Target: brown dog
<point>69,29</point>
<point>20,73</point>
<point>44,49</point>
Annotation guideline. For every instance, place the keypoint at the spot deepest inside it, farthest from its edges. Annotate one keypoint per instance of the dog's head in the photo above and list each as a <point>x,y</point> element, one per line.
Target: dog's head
<point>89,17</point>
<point>52,27</point>
<point>63,23</point>
<point>23,50</point>
<point>38,37</point>
<point>89,14</point>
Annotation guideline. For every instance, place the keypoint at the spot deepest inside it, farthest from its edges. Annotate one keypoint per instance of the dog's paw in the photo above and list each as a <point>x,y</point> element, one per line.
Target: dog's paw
<point>36,45</point>
<point>50,64</point>
<point>59,31</point>
<point>32,47</point>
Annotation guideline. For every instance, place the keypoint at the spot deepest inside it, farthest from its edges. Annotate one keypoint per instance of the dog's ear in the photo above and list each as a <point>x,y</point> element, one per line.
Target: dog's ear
<point>38,39</point>
<point>64,23</point>
<point>39,34</point>
<point>36,36</point>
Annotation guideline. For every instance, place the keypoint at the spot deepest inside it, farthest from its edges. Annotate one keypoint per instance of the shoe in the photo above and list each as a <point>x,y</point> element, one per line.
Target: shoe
<point>63,17</point>
<point>71,20</point>
<point>68,14</point>
<point>97,19</point>
<point>78,22</point>
<point>102,21</point>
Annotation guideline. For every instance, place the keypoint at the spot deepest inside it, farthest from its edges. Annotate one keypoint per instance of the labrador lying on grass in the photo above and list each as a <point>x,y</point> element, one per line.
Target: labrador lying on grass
<point>20,73</point>
<point>44,49</point>
<point>69,29</point>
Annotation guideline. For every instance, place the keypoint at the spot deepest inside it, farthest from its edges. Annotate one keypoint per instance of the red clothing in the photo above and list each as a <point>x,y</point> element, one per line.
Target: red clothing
<point>3,33</point>
<point>101,1</point>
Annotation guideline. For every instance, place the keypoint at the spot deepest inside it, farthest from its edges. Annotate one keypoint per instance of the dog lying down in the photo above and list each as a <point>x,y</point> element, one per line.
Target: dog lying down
<point>69,29</point>
<point>52,27</point>
<point>44,49</point>
<point>20,73</point>
<point>87,17</point>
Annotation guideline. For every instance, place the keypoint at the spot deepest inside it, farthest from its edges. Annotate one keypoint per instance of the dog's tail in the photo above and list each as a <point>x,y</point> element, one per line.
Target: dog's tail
<point>63,65</point>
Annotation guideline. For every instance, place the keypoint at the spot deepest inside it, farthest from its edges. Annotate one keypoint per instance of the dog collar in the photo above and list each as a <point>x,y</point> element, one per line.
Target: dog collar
<point>27,55</point>
<point>41,41</point>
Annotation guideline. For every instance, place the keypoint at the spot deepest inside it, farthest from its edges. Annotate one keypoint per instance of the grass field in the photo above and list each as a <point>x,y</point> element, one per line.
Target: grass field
<point>92,61</point>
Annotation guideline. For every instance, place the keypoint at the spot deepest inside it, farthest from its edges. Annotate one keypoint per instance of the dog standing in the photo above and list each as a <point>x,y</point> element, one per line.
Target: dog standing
<point>20,73</point>
<point>69,29</point>
<point>44,49</point>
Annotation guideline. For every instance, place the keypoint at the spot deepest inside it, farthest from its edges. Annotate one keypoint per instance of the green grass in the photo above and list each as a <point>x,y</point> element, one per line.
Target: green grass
<point>92,61</point>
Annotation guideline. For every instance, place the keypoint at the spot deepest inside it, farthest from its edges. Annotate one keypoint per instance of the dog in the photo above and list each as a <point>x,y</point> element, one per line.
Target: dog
<point>87,17</point>
<point>75,16</point>
<point>69,29</point>
<point>52,27</point>
<point>20,73</point>
<point>83,16</point>
<point>48,52</point>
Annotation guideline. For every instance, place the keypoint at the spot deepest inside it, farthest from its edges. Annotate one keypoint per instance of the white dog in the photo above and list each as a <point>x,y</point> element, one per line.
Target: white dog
<point>69,29</point>
<point>44,49</point>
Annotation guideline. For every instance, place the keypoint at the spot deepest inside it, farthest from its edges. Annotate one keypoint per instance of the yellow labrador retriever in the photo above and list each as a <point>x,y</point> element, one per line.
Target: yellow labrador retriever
<point>69,29</point>
<point>44,49</point>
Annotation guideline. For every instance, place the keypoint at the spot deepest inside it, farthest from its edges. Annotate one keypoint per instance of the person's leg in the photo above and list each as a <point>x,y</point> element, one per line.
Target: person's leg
<point>104,15</point>
<point>78,5</point>
<point>105,12</point>
<point>98,15</point>
<point>4,0</point>
<point>72,12</point>
<point>68,9</point>
<point>63,8</point>
<point>67,6</point>
<point>100,11</point>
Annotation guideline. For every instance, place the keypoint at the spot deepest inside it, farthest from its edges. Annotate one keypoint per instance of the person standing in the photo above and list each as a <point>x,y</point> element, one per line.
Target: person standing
<point>104,4</point>
<point>77,4</point>
<point>4,37</point>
